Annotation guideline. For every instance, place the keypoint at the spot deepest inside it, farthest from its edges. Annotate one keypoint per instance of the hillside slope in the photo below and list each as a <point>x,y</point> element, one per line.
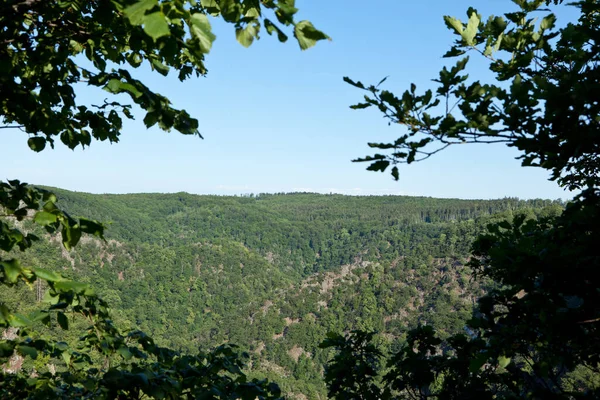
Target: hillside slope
<point>274,273</point>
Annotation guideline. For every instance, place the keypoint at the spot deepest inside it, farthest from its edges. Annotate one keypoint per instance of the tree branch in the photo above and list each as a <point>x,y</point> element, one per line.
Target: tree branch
<point>12,127</point>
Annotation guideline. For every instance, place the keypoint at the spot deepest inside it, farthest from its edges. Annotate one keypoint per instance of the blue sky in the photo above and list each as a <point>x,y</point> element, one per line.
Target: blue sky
<point>276,119</point>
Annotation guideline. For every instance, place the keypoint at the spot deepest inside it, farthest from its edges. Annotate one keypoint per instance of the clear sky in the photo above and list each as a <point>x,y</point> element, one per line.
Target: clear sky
<point>276,119</point>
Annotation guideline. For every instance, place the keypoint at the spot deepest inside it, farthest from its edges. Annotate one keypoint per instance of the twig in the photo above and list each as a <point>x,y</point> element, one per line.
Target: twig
<point>12,127</point>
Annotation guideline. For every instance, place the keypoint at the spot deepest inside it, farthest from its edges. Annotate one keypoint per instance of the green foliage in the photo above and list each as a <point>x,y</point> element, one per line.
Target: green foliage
<point>275,273</point>
<point>350,373</point>
<point>542,102</point>
<point>49,47</point>
<point>105,363</point>
<point>270,273</point>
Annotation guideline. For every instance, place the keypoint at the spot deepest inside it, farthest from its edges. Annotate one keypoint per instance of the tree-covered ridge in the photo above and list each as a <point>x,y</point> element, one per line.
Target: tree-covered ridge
<point>274,273</point>
<point>303,224</point>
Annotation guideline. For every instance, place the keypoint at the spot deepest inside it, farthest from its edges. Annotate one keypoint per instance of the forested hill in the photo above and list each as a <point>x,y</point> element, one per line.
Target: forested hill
<point>317,227</point>
<point>274,273</point>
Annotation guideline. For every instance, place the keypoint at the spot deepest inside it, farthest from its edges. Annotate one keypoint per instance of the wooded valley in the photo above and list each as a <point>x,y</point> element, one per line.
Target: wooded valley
<point>300,295</point>
<point>274,274</point>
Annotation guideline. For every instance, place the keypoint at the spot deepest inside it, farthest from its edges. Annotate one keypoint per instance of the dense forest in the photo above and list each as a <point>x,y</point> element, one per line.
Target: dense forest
<point>275,273</point>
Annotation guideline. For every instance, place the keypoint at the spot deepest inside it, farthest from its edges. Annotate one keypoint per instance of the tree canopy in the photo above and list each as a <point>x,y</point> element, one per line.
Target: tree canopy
<point>49,47</point>
<point>543,101</point>
<point>270,273</point>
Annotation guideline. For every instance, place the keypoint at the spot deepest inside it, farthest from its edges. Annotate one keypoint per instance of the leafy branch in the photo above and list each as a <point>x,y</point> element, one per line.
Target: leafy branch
<point>537,97</point>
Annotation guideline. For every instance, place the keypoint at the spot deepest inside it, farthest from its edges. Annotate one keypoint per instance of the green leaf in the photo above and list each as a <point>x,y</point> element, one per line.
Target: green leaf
<point>20,213</point>
<point>38,316</point>
<point>472,27</point>
<point>125,353</point>
<point>50,298</point>
<point>200,29</point>
<point>62,320</point>
<point>488,50</point>
<point>211,6</point>
<point>134,59</point>
<point>151,119</point>
<point>4,315</point>
<point>113,86</point>
<point>76,46</point>
<point>50,205</point>
<point>548,22</point>
<point>160,67</point>
<point>46,275</point>
<point>36,143</point>
<point>503,361</point>
<point>155,25</point>
<point>454,23</point>
<point>12,269</point>
<point>271,27</point>
<point>61,346</point>
<point>245,36</point>
<point>70,236</point>
<point>45,218</point>
<point>136,12</point>
<point>71,286</point>
<point>117,86</point>
<point>18,320</point>
<point>505,225</point>
<point>91,227</point>
<point>67,357</point>
<point>453,52</point>
<point>380,165</point>
<point>307,35</point>
<point>360,106</point>
<point>59,306</point>
<point>498,42</point>
<point>27,351</point>
<point>357,84</point>
<point>287,8</point>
